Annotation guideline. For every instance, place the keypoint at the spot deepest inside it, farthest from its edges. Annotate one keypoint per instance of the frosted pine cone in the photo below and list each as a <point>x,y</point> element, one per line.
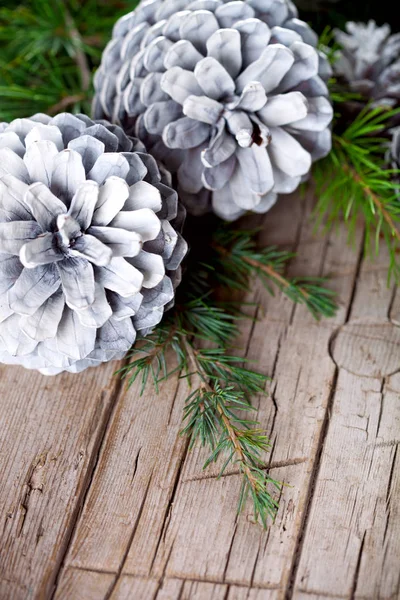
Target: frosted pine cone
<point>90,248</point>
<point>370,61</point>
<point>223,94</point>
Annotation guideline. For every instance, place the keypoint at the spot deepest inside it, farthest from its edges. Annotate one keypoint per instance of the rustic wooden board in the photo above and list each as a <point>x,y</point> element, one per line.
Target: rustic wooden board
<point>354,514</point>
<point>100,498</point>
<point>51,430</point>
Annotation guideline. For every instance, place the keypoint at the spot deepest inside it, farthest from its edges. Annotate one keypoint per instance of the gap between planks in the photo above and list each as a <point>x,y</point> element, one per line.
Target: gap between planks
<point>96,455</point>
<point>290,590</point>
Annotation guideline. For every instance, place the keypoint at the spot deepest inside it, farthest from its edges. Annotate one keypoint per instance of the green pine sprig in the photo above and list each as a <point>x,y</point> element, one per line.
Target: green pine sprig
<point>197,341</point>
<point>49,52</point>
<point>268,264</point>
<point>355,181</point>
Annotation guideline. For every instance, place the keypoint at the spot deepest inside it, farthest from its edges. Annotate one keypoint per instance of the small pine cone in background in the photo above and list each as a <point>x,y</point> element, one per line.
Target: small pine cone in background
<point>229,95</point>
<point>90,243</point>
<point>369,62</point>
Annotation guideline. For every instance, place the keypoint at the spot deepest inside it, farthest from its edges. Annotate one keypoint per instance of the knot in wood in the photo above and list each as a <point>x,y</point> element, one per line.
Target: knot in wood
<point>367,349</point>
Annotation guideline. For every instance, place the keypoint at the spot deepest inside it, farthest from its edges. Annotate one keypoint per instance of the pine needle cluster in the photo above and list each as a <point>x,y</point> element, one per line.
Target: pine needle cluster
<point>356,181</point>
<point>49,52</point>
<point>200,336</point>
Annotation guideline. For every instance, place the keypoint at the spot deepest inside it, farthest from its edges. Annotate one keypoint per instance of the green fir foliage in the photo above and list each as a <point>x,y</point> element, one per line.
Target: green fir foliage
<point>356,182</point>
<point>197,340</point>
<point>49,52</point>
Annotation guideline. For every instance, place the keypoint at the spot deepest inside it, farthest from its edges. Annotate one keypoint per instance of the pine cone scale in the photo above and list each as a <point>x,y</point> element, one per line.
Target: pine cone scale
<point>32,288</point>
<point>40,251</point>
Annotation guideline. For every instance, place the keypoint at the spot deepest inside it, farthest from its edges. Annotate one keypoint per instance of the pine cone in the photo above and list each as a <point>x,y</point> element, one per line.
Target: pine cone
<point>223,94</point>
<point>370,61</point>
<point>90,244</point>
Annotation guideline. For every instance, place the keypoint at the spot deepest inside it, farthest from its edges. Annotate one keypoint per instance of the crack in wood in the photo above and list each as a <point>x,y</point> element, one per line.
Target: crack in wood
<point>391,304</point>
<point>278,464</point>
<point>357,569</point>
<point>35,482</point>
<point>172,405</point>
<point>91,570</point>
<point>39,533</point>
<point>129,544</point>
<point>163,577</point>
<point>273,373</point>
<point>325,594</point>
<point>382,399</point>
<point>387,444</point>
<point>291,582</point>
<point>191,579</point>
<point>389,493</point>
<point>135,465</point>
<point>228,556</point>
<point>180,591</point>
<point>253,572</point>
<point>87,482</point>
<point>168,509</point>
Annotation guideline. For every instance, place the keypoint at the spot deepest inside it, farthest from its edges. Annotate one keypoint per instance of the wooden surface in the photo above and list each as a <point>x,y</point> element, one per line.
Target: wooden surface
<point>100,498</point>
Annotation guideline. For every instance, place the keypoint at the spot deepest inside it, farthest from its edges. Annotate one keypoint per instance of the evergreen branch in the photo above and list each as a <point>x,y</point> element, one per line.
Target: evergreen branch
<point>379,204</point>
<point>243,442</point>
<point>64,104</point>
<point>49,52</point>
<point>355,181</point>
<point>269,265</point>
<point>214,409</point>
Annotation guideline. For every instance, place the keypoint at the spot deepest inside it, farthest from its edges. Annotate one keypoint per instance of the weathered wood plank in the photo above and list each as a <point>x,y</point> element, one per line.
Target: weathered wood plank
<point>203,533</point>
<point>144,432</point>
<point>352,540</point>
<point>131,494</point>
<point>198,536</point>
<point>51,431</point>
<point>90,585</point>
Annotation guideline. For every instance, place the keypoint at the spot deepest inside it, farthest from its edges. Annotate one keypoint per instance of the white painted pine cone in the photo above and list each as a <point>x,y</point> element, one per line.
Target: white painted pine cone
<point>223,94</point>
<point>370,61</point>
<point>90,244</point>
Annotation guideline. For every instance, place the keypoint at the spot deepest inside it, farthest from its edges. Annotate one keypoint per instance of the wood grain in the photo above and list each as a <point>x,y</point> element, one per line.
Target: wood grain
<point>101,499</point>
<point>78,583</point>
<point>354,516</point>
<point>204,533</point>
<point>51,431</point>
